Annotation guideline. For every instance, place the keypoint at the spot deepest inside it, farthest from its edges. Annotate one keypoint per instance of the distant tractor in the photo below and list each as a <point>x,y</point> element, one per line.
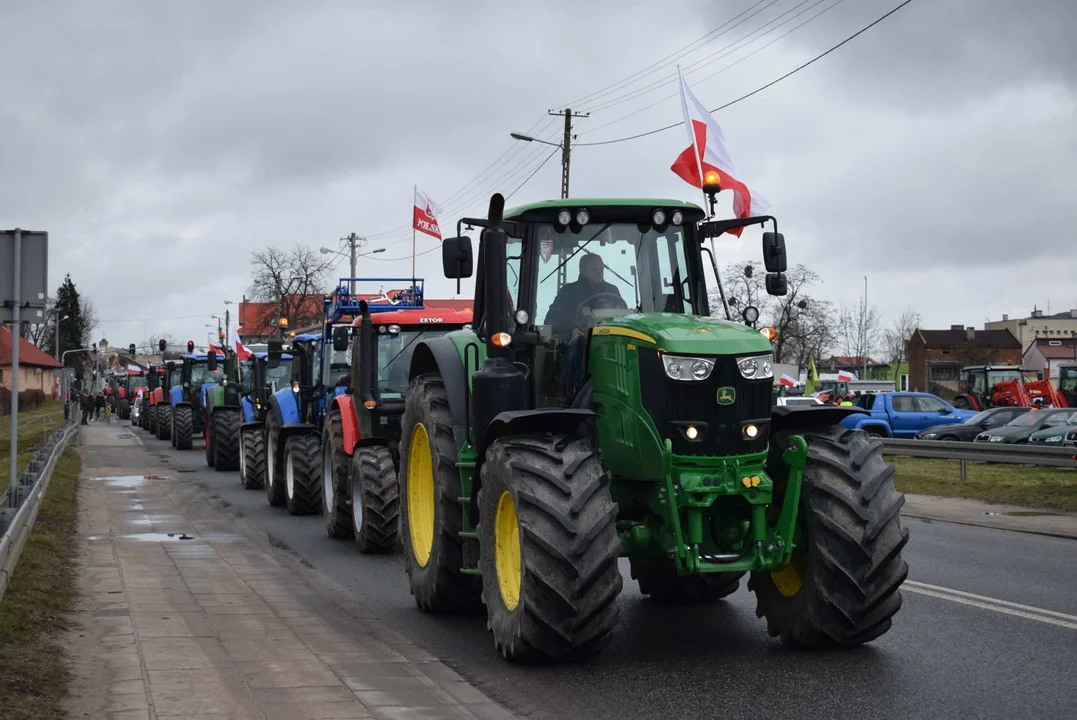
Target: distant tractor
<point>162,399</point>
<point>187,398</point>
<point>361,435</point>
<point>222,414</point>
<point>1067,383</point>
<point>988,386</point>
<point>146,419</point>
<point>583,420</point>
<point>134,387</point>
<point>261,379</point>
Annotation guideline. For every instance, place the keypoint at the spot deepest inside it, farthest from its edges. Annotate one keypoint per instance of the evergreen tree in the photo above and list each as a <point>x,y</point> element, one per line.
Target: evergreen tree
<point>75,324</point>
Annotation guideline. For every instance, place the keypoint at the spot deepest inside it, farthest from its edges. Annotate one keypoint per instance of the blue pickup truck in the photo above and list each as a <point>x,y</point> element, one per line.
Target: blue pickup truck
<point>903,414</point>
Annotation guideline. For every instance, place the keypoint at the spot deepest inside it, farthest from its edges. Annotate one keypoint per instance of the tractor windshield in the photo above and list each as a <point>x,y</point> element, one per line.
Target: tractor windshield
<point>994,377</point>
<point>135,381</point>
<point>607,270</point>
<point>394,358</point>
<point>1067,379</point>
<point>281,375</point>
<point>198,374</point>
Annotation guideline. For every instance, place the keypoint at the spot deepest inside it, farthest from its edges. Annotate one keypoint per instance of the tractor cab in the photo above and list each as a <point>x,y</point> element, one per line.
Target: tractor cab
<point>987,386</point>
<point>136,384</point>
<point>1067,383</point>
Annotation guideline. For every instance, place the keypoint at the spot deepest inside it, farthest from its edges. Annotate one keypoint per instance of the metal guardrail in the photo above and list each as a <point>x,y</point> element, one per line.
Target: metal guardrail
<point>20,504</point>
<point>965,452</point>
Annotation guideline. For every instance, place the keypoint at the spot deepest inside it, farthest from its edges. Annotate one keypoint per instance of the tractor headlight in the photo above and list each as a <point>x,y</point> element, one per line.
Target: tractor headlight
<point>583,217</point>
<point>687,368</point>
<point>757,367</point>
<point>564,217</point>
<point>677,218</point>
<point>295,386</point>
<point>659,217</point>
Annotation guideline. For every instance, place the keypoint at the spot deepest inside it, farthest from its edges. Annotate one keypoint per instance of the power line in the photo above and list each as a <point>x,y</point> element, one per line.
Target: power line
<point>721,70</point>
<point>772,83</point>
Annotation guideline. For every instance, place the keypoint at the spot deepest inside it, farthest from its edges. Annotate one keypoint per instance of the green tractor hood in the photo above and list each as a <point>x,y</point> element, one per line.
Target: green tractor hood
<point>687,334</point>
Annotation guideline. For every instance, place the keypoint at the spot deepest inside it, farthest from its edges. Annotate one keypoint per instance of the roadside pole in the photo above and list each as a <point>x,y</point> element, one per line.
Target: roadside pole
<point>28,288</point>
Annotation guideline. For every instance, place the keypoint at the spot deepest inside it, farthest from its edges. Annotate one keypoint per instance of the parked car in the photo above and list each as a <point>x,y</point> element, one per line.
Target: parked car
<point>1019,430</point>
<point>1057,434</point>
<point>968,430</point>
<point>903,414</point>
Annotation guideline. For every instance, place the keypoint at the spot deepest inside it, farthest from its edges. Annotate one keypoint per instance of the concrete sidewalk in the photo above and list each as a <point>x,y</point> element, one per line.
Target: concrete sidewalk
<point>184,613</point>
<point>1055,523</point>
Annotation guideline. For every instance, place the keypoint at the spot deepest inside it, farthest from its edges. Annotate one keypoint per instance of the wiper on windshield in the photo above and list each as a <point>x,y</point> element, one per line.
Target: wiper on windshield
<point>578,250</point>
<point>386,366</point>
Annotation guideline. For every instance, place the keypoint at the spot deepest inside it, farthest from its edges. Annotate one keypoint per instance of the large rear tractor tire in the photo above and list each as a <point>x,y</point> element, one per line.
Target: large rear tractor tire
<point>548,548</point>
<point>431,515</point>
<point>659,580</point>
<point>962,402</point>
<point>209,435</point>
<point>252,458</point>
<point>842,586</point>
<point>164,422</point>
<point>274,465</point>
<point>335,464</point>
<point>303,474</point>
<point>183,427</point>
<point>375,496</point>
<point>150,424</point>
<point>225,433</point>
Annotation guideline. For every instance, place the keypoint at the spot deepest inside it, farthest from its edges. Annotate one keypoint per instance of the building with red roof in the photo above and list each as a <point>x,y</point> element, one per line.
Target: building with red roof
<point>35,365</point>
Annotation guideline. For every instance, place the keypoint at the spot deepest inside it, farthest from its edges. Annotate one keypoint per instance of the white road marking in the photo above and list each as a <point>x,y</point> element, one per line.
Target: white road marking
<point>989,603</point>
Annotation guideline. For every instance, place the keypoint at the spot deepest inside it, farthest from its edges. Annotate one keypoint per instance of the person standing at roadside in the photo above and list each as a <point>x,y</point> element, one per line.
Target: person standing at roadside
<point>99,405</point>
<point>84,405</point>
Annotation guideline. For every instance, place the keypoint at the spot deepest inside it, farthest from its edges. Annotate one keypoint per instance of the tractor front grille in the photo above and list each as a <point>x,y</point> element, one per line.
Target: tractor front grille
<point>675,404</point>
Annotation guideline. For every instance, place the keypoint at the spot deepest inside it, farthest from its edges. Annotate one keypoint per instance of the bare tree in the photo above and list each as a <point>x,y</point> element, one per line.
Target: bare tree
<point>287,279</point>
<point>804,323</point>
<point>743,284</point>
<point>858,329</point>
<point>899,336</point>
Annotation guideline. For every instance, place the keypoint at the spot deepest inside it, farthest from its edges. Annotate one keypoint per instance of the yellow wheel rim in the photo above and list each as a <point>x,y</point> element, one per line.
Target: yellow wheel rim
<point>420,495</point>
<point>790,579</point>
<point>507,559</point>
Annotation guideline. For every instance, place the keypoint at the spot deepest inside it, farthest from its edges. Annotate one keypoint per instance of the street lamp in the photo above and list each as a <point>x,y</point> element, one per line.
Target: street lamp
<point>528,138</point>
<point>564,147</point>
<point>352,241</point>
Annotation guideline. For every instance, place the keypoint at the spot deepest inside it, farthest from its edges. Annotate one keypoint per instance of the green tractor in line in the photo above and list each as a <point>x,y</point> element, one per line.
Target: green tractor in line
<point>627,422</point>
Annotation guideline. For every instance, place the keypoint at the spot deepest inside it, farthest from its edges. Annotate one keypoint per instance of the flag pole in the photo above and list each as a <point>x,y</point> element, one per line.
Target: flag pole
<point>699,169</point>
<point>415,191</point>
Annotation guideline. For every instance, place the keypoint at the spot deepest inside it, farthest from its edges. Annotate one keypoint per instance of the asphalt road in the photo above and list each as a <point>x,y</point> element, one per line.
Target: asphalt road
<point>1006,648</point>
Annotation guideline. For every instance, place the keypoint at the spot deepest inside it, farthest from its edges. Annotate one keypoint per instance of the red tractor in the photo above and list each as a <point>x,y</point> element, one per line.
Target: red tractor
<point>987,386</point>
<point>362,430</point>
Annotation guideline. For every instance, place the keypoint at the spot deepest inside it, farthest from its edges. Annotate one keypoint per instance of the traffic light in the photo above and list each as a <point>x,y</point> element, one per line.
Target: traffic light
<point>190,346</point>
<point>161,344</point>
<point>131,349</point>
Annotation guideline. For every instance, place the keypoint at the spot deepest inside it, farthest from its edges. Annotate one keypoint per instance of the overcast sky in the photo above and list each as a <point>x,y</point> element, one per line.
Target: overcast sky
<point>159,143</point>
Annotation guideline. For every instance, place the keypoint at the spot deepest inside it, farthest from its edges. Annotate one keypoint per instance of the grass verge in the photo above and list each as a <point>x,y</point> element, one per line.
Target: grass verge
<point>1037,487</point>
<point>30,435</point>
<point>33,614</point>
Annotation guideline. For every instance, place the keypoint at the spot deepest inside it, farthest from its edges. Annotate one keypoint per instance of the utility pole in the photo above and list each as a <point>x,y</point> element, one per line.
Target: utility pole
<point>566,145</point>
<point>864,329</point>
<point>227,322</point>
<point>354,241</point>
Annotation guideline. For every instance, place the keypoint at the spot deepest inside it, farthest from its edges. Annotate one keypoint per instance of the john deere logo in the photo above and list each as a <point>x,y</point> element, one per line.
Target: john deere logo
<point>726,396</point>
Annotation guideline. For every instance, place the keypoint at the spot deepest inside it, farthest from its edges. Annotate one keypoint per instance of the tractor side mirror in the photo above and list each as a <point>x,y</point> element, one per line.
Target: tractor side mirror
<point>211,360</point>
<point>340,338</point>
<point>776,284</point>
<point>774,258</point>
<point>275,349</point>
<point>457,259</point>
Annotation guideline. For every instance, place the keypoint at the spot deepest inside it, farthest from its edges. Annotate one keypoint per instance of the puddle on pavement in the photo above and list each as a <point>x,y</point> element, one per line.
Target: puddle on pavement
<point>146,537</point>
<point>1024,513</point>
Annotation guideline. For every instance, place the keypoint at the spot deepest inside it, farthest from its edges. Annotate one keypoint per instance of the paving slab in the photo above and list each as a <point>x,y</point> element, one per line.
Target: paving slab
<point>185,613</point>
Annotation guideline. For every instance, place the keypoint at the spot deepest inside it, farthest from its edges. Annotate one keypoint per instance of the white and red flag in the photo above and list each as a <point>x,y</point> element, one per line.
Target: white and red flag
<point>844,376</point>
<point>242,351</point>
<point>787,381</point>
<point>707,152</point>
<point>425,214</point>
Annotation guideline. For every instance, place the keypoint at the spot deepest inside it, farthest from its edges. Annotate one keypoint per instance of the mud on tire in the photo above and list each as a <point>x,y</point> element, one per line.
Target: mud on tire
<point>569,580</point>
<point>437,585</point>
<point>375,502</point>
<point>849,568</point>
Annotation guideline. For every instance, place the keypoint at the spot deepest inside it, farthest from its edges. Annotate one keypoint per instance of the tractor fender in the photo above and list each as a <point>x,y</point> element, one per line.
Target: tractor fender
<point>287,429</point>
<point>175,396</point>
<point>529,422</point>
<point>790,417</point>
<point>285,403</point>
<point>441,356</point>
<point>251,425</point>
<point>349,421</point>
<point>248,409</point>
<point>373,442</point>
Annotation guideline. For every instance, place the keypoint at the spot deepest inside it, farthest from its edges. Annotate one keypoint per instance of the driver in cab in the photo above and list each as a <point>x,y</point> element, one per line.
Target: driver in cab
<point>571,304</point>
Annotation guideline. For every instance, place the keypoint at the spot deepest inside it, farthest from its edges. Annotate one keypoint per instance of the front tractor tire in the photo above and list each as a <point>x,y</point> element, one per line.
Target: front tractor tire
<point>252,458</point>
<point>842,586</point>
<point>431,515</point>
<point>335,464</point>
<point>375,496</point>
<point>183,427</point>
<point>303,475</point>
<point>123,409</point>
<point>274,467</point>
<point>164,422</point>
<point>226,441</point>
<point>548,548</point>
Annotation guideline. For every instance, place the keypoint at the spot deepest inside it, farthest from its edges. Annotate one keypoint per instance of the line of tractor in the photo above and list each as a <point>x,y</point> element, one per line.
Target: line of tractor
<point>589,408</point>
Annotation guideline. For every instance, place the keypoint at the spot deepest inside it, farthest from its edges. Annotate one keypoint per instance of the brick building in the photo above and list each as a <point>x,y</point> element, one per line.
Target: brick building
<point>937,356</point>
<point>1038,325</point>
<point>35,366</point>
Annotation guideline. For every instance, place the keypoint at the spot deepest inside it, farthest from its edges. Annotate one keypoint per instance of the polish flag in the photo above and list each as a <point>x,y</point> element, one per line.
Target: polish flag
<point>787,381</point>
<point>131,370</point>
<point>214,350</point>
<point>425,214</point>
<point>707,152</point>
<point>844,376</point>
<point>242,351</point>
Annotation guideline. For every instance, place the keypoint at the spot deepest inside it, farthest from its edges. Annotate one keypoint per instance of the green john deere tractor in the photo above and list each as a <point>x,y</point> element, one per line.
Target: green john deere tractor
<point>609,416</point>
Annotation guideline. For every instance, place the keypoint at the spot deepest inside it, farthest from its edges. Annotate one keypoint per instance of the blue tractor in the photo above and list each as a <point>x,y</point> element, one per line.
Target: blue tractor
<point>260,379</point>
<point>321,370</point>
<point>186,398</point>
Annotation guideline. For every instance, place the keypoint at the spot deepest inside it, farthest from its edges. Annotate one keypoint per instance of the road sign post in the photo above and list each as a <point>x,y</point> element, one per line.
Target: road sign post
<point>25,288</point>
